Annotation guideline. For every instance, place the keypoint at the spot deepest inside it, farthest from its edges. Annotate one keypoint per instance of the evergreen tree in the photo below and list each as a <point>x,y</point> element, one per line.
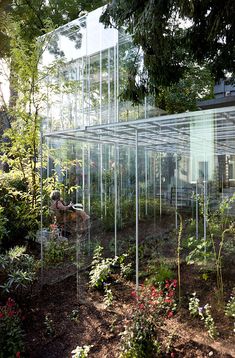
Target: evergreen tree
<point>175,34</point>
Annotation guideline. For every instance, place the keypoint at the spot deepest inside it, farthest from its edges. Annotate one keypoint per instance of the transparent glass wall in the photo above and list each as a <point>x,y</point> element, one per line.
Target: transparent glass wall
<point>123,173</point>
<point>86,67</point>
<point>179,164</point>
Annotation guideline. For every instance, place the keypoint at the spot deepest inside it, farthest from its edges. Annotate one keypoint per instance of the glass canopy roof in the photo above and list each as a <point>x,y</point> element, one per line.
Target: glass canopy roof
<point>169,133</point>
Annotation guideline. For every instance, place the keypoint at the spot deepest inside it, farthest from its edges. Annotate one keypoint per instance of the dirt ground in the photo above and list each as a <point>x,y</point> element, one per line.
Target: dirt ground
<point>66,313</point>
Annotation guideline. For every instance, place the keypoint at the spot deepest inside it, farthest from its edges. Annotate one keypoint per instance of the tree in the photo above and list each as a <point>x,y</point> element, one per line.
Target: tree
<point>197,83</point>
<point>175,34</point>
<point>23,22</point>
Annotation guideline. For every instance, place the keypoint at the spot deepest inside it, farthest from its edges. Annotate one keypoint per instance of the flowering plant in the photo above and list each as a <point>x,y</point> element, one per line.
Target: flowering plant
<point>152,305</point>
<point>157,301</point>
<point>204,312</point>
<point>11,337</point>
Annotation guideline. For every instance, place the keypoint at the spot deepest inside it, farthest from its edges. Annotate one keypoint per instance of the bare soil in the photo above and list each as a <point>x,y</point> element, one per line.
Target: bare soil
<point>68,295</point>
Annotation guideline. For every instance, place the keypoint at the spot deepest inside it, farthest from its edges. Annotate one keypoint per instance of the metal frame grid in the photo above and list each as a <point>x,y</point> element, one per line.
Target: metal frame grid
<point>168,134</point>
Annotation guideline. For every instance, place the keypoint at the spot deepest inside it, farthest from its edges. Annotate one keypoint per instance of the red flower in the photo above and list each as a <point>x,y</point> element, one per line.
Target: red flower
<point>133,294</point>
<point>17,354</point>
<point>170,314</point>
<point>141,306</point>
<point>10,302</point>
<point>11,313</point>
<point>1,315</point>
<point>167,300</point>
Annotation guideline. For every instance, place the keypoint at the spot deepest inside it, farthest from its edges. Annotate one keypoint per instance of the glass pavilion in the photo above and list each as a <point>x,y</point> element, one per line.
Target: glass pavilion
<point>124,162</point>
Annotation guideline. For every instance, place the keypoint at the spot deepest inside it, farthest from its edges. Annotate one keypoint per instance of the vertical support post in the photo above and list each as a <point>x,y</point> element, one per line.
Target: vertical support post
<point>115,200</point>
<point>146,181</point>
<point>101,180</point>
<point>41,194</point>
<point>83,176</point>
<point>154,191</point>
<point>176,193</point>
<point>205,201</point>
<point>89,195</point>
<point>137,210</point>
<point>197,210</point>
<point>160,184</point>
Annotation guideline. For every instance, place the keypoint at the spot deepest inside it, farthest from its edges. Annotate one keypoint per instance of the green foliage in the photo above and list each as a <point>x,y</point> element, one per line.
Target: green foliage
<point>55,252</point>
<point>195,84</point>
<point>100,268</point>
<point>193,307</point>
<point>205,315</point>
<point>3,224</point>
<point>108,295</point>
<point>169,59</point>
<point>209,322</point>
<point>81,352</point>
<point>126,269</point>
<point>19,269</point>
<point>230,308</point>
<point>159,273</point>
<point>152,305</point>
<point>74,316</point>
<point>200,251</point>
<point>22,216</point>
<point>49,325</point>
<point>11,337</point>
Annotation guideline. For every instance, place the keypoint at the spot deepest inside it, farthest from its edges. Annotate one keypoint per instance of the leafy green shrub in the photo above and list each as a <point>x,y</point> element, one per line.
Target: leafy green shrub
<point>3,223</point>
<point>11,337</point>
<point>230,307</point>
<point>19,269</point>
<point>159,274</point>
<point>55,252</point>
<point>151,306</point>
<point>126,270</point>
<point>108,295</point>
<point>23,217</point>
<point>200,251</point>
<point>100,268</point>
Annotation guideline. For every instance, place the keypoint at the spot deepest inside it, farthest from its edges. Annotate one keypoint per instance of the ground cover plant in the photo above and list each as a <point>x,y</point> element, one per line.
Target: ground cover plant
<point>100,309</point>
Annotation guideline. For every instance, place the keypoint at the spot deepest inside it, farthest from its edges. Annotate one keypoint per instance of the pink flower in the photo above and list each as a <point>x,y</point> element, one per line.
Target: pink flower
<point>1,315</point>
<point>170,314</point>
<point>17,354</point>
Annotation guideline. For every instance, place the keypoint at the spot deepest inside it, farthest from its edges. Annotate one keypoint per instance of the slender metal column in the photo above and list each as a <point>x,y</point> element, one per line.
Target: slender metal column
<point>101,180</point>
<point>146,181</point>
<point>137,210</point>
<point>197,210</point>
<point>89,195</point>
<point>115,200</point>
<point>83,175</point>
<point>154,191</point>
<point>205,201</point>
<point>160,184</point>
<point>176,193</point>
<point>41,204</point>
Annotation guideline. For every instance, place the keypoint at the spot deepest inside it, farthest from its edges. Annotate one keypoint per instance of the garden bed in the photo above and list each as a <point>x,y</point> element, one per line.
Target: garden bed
<point>67,313</point>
